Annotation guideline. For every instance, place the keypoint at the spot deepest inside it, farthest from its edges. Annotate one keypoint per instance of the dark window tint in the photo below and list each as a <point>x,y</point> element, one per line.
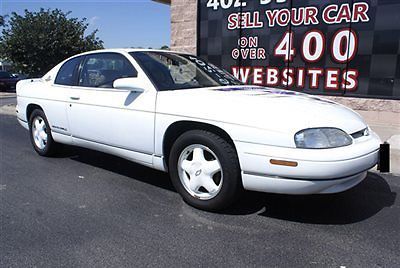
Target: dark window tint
<point>67,72</point>
<point>4,74</point>
<point>101,70</point>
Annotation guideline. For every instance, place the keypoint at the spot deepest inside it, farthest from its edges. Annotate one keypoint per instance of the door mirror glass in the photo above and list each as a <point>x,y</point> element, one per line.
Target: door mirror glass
<point>129,83</point>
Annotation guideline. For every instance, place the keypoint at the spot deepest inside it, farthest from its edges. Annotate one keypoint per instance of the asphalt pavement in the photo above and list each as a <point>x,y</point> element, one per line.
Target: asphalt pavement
<point>88,209</point>
<point>7,99</point>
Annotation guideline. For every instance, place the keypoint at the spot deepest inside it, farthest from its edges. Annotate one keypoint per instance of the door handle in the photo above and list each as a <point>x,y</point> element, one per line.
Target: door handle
<point>74,98</point>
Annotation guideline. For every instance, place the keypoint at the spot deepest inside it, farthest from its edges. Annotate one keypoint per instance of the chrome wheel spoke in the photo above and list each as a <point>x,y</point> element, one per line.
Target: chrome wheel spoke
<point>194,184</point>
<point>42,144</point>
<point>43,135</point>
<point>41,124</point>
<point>186,165</point>
<point>36,124</point>
<point>198,155</point>
<point>212,167</point>
<point>209,184</point>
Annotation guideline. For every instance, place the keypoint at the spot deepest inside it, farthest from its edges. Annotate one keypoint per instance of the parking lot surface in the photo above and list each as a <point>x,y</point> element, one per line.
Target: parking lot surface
<point>85,208</point>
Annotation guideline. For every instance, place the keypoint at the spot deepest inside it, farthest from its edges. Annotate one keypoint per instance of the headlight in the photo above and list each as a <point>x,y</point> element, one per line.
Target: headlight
<point>322,138</point>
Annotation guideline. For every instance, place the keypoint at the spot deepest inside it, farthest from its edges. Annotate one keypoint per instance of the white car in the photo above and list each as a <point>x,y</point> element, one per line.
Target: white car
<point>176,113</point>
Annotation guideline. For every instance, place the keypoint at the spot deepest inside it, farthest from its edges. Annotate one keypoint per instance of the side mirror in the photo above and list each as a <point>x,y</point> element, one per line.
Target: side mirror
<point>130,83</point>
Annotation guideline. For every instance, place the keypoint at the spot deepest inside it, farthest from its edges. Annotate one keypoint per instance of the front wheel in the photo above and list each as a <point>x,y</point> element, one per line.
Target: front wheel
<point>205,170</point>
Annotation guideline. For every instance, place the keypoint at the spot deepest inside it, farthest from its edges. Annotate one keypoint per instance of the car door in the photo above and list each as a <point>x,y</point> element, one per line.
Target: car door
<point>113,120</point>
<point>55,98</point>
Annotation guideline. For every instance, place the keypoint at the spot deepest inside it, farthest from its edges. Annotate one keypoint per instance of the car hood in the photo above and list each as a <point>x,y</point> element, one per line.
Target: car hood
<point>259,107</point>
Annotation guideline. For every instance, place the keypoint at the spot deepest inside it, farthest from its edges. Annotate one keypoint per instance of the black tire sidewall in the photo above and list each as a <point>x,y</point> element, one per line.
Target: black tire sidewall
<point>227,156</point>
<point>49,148</point>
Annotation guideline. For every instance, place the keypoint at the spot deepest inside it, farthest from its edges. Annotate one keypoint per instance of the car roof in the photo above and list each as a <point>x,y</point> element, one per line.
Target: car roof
<point>128,50</point>
<point>114,50</point>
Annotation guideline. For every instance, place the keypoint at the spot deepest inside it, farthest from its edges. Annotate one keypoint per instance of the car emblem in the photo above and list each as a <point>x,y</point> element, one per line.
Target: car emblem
<point>198,172</point>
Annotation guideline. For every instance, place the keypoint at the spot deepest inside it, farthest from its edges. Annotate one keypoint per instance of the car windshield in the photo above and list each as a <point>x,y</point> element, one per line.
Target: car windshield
<point>4,74</point>
<point>172,71</point>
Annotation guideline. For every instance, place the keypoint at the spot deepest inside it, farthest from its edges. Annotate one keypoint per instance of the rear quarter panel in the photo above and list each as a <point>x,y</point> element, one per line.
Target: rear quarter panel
<point>50,98</point>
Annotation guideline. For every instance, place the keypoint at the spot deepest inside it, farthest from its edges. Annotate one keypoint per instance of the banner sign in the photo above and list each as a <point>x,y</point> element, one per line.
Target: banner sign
<point>344,47</point>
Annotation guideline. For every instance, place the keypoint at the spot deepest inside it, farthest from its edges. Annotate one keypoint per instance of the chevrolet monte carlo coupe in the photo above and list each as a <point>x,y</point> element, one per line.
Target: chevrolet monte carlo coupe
<point>215,136</point>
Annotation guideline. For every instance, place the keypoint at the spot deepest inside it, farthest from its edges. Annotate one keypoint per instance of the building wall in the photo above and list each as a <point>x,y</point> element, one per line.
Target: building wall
<point>184,38</point>
<point>184,25</point>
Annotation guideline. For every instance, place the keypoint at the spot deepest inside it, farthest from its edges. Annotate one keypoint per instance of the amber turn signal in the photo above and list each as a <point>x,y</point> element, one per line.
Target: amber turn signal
<point>283,163</point>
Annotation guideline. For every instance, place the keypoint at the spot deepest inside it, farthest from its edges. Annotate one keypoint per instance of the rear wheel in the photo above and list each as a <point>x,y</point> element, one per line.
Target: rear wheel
<point>205,170</point>
<point>41,138</point>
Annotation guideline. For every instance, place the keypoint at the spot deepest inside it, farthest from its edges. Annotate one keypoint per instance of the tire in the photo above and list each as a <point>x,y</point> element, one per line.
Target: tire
<point>40,134</point>
<point>205,170</point>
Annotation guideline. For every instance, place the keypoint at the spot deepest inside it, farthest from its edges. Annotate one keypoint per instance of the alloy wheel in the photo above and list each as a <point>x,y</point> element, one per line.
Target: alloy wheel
<point>200,172</point>
<point>39,133</point>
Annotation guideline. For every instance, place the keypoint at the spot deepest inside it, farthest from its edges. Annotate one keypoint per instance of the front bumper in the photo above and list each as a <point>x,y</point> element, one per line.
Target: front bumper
<point>279,185</point>
<point>317,171</point>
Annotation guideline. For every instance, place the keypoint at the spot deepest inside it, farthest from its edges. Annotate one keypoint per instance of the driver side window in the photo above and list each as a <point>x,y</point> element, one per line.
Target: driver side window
<point>101,70</point>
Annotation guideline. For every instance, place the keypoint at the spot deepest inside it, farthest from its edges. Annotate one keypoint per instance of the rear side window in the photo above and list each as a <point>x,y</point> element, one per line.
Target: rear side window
<point>67,73</point>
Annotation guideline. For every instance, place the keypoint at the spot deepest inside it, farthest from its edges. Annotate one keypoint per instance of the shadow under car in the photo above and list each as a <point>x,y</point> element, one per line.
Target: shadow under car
<point>357,204</point>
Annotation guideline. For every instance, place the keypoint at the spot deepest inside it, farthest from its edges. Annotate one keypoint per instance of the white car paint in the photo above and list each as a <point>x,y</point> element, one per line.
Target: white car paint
<point>260,121</point>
